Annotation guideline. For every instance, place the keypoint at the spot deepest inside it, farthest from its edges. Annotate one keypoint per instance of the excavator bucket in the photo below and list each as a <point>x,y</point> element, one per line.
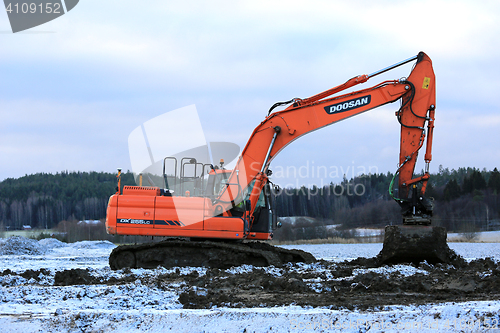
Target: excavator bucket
<point>414,244</point>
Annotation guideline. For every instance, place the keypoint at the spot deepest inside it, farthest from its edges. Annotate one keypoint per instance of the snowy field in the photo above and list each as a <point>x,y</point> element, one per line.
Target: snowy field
<point>32,303</point>
<point>340,252</point>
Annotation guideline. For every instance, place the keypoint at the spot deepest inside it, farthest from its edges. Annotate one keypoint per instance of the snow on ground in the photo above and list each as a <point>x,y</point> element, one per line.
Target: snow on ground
<point>19,254</point>
<point>463,317</point>
<point>35,305</point>
<point>471,251</point>
<point>341,252</point>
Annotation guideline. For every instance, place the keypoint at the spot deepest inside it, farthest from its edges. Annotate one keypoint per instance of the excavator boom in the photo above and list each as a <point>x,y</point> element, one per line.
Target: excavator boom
<point>279,129</point>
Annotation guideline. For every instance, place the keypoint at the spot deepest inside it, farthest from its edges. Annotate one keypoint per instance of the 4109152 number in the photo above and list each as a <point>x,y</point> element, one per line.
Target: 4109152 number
<point>32,8</point>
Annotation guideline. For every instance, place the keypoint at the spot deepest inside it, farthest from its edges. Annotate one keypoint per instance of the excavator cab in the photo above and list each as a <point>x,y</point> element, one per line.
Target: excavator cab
<point>265,217</point>
<point>187,178</point>
<point>217,180</point>
<point>193,178</point>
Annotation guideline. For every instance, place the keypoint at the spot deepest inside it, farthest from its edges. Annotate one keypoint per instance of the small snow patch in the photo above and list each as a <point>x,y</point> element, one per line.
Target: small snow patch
<point>404,270</point>
<point>240,269</point>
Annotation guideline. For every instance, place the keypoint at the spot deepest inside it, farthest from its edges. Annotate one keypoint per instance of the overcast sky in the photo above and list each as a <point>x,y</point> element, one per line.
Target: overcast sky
<point>73,89</point>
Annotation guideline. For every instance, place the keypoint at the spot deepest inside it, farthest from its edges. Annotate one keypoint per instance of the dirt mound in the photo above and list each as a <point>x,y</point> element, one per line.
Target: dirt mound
<point>28,274</point>
<point>345,285</point>
<point>358,284</point>
<point>222,289</point>
<point>75,276</point>
<point>16,245</point>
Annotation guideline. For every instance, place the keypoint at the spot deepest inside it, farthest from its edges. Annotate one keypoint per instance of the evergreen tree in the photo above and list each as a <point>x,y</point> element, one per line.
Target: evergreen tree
<point>494,182</point>
<point>474,182</point>
<point>451,191</point>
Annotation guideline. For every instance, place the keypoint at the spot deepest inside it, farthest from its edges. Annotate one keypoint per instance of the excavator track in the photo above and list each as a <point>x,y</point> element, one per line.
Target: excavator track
<point>223,255</point>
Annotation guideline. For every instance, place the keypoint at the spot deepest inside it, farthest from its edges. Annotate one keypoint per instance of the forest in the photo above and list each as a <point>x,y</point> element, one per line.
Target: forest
<point>466,198</point>
<point>43,200</point>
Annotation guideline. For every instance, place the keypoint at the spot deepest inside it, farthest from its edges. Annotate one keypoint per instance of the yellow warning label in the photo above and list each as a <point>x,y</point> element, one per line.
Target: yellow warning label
<point>427,81</point>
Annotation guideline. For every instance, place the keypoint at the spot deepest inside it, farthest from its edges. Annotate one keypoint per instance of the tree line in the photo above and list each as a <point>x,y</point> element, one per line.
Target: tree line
<point>463,197</point>
<point>42,200</point>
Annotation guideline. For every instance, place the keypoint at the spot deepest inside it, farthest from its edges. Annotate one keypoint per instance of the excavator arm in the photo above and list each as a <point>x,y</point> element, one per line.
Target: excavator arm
<point>279,129</point>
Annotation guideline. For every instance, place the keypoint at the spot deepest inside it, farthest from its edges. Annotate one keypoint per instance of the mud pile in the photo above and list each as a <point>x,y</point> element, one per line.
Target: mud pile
<point>76,276</point>
<point>347,285</point>
<point>357,284</point>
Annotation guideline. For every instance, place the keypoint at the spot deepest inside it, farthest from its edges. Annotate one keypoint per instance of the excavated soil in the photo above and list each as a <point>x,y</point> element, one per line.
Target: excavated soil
<point>337,286</point>
<point>362,284</point>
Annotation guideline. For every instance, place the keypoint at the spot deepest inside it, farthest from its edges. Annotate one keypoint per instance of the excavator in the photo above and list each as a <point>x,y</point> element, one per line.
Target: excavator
<point>219,217</point>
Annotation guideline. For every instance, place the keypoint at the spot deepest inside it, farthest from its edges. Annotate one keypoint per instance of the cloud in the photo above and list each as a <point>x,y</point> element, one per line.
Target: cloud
<point>111,66</point>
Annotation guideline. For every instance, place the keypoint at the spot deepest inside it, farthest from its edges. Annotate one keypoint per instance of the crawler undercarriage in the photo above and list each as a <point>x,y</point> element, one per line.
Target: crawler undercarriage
<point>181,253</point>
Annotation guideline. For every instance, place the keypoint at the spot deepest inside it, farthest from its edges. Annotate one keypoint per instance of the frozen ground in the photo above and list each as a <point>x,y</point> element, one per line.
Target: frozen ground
<point>32,299</point>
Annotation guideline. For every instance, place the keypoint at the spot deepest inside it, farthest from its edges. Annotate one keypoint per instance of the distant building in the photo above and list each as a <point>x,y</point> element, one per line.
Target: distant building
<point>26,227</point>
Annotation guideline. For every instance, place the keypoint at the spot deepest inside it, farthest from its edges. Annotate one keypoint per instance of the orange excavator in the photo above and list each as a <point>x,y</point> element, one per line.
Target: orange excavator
<point>212,214</point>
